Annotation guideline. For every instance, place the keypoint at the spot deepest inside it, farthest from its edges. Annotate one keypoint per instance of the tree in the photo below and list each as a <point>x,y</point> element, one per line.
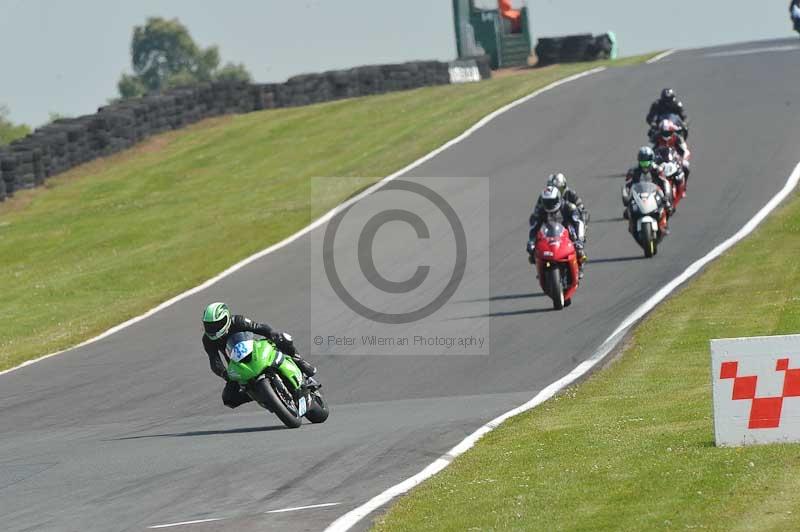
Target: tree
<point>163,55</point>
<point>8,130</point>
<point>233,72</point>
<point>131,86</point>
<point>52,116</point>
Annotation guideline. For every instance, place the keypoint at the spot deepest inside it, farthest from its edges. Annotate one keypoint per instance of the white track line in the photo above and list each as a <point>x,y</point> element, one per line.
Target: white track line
<point>320,221</point>
<point>768,49</point>
<point>187,523</point>
<point>352,517</point>
<point>282,510</point>
<point>296,508</point>
<point>660,56</point>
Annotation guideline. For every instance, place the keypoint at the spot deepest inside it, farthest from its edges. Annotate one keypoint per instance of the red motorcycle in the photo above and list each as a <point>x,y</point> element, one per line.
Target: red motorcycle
<point>556,264</point>
<point>672,170</point>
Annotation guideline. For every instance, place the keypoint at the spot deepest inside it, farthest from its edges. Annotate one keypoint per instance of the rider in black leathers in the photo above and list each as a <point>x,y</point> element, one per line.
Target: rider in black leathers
<point>667,104</point>
<point>559,181</point>
<point>551,207</point>
<point>219,324</point>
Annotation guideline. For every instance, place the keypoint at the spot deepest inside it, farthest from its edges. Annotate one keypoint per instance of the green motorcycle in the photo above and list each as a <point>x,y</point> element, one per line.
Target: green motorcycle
<point>274,381</point>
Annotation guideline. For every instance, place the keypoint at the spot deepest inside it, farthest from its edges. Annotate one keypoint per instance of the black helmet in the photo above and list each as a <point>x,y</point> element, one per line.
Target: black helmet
<point>646,157</point>
<point>551,199</point>
<point>668,95</point>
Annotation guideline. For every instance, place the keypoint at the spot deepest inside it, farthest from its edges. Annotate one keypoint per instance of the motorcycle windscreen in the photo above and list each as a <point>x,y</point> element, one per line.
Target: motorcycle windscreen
<point>675,119</point>
<point>552,230</point>
<point>239,346</point>
<point>645,197</point>
<point>644,187</point>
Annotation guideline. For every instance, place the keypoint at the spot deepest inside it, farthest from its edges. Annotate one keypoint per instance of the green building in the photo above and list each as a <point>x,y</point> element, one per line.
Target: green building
<point>486,31</point>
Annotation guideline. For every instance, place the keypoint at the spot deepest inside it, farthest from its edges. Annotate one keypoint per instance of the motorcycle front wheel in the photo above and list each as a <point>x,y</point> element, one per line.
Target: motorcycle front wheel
<point>554,288</point>
<point>279,401</point>
<point>649,241</point>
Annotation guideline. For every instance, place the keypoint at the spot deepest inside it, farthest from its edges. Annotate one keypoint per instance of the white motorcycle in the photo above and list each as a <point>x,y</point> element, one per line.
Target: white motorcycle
<point>647,214</point>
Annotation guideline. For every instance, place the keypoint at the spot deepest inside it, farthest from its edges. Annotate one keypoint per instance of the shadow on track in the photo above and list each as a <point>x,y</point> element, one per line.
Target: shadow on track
<point>503,297</point>
<point>203,433</point>
<point>615,259</point>
<point>606,220</point>
<point>506,313</point>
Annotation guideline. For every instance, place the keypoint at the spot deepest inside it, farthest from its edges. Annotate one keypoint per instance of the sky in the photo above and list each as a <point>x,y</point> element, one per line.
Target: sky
<point>66,57</point>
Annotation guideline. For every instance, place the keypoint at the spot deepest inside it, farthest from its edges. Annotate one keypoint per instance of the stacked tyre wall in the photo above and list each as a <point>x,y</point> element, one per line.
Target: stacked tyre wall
<point>66,143</point>
<point>573,49</point>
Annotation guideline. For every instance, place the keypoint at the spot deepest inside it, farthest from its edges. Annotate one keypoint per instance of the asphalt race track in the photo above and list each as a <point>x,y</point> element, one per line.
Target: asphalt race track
<point>130,432</point>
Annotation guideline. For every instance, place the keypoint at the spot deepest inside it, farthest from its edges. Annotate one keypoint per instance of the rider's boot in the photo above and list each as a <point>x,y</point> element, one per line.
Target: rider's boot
<point>581,261</point>
<point>670,207</point>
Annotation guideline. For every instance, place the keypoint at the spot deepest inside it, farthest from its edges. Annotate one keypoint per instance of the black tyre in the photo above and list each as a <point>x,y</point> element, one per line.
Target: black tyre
<point>555,289</point>
<point>318,411</point>
<point>274,396</point>
<point>649,241</point>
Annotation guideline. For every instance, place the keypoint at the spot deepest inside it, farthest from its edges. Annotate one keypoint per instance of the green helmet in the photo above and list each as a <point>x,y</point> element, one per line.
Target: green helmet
<point>217,320</point>
<point>646,158</point>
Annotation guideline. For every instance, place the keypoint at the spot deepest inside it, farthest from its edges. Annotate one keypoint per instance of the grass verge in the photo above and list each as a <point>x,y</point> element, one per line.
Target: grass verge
<point>632,447</point>
<point>111,239</point>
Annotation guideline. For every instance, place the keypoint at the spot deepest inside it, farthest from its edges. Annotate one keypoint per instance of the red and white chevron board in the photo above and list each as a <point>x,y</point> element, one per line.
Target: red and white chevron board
<point>756,387</point>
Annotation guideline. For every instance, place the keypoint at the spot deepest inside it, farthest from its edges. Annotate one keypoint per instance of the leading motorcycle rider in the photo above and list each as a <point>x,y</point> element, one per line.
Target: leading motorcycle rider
<point>218,325</point>
<point>551,208</point>
<point>667,104</point>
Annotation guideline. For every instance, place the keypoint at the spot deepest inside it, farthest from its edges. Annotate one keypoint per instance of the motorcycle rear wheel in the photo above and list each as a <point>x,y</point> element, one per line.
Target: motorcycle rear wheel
<point>318,410</point>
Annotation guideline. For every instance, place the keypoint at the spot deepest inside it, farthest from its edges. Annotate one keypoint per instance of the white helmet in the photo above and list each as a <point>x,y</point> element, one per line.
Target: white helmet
<point>551,199</point>
<point>558,180</point>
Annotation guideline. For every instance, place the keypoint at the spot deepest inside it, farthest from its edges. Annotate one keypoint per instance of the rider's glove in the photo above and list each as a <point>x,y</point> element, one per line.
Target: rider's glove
<point>284,342</point>
<point>530,247</point>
